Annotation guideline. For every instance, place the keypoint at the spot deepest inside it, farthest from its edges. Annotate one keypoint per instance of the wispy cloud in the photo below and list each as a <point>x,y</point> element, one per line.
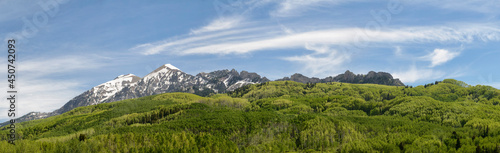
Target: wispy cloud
<point>323,60</point>
<point>414,74</point>
<point>289,8</point>
<point>222,23</point>
<point>39,91</point>
<point>63,64</point>
<point>398,51</point>
<point>218,44</point>
<point>324,44</point>
<point>176,45</point>
<point>440,56</point>
<point>42,95</point>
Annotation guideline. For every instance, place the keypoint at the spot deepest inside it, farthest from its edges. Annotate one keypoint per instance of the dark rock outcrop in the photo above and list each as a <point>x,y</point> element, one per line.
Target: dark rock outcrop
<point>349,77</point>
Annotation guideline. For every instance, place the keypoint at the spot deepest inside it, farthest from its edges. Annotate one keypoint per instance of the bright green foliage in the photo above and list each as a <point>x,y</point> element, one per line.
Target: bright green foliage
<point>282,116</point>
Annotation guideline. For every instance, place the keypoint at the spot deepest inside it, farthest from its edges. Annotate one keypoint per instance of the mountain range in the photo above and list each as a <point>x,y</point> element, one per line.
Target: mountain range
<point>372,77</point>
<point>168,78</point>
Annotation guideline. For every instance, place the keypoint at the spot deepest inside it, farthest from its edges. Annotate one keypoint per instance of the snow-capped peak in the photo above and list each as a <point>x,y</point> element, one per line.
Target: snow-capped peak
<point>109,88</point>
<point>126,76</point>
<point>164,69</point>
<point>120,79</point>
<point>170,66</point>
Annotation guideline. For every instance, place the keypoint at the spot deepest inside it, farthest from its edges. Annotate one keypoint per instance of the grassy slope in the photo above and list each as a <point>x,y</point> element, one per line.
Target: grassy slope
<point>280,117</point>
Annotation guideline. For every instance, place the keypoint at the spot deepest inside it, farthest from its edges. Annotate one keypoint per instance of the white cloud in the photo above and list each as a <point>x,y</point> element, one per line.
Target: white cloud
<point>42,95</point>
<point>174,44</point>
<point>39,91</point>
<point>235,43</point>
<point>327,42</point>
<point>324,59</point>
<point>219,24</point>
<point>398,51</point>
<point>440,56</point>
<point>289,8</point>
<point>414,74</point>
<point>286,29</point>
<point>63,64</point>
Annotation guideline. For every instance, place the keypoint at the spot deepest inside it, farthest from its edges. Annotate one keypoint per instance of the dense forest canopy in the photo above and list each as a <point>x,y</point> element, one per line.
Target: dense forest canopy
<point>279,116</point>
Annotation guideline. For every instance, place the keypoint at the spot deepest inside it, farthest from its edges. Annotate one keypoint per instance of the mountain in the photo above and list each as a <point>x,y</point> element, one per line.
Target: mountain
<point>168,78</point>
<point>98,94</point>
<point>278,116</point>
<point>349,77</point>
<point>230,80</point>
<point>164,79</point>
<point>31,116</point>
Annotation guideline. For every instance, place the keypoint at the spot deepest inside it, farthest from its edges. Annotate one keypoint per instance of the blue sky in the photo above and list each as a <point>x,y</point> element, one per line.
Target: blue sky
<point>66,47</point>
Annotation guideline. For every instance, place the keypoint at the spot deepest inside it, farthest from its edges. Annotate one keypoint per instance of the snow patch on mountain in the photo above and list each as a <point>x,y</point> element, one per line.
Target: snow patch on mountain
<point>226,81</point>
<point>108,89</point>
<point>161,72</point>
<point>170,66</point>
<point>239,84</point>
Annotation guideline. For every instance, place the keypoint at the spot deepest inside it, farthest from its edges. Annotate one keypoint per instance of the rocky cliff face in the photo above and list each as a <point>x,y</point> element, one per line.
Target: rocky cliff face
<point>349,77</point>
<point>225,80</point>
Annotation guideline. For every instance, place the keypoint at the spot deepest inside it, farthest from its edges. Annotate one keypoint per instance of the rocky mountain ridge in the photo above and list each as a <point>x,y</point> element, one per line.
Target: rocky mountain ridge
<point>168,78</point>
<point>349,77</point>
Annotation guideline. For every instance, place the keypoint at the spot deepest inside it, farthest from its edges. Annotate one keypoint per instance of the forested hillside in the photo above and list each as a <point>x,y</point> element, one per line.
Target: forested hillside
<point>279,116</point>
